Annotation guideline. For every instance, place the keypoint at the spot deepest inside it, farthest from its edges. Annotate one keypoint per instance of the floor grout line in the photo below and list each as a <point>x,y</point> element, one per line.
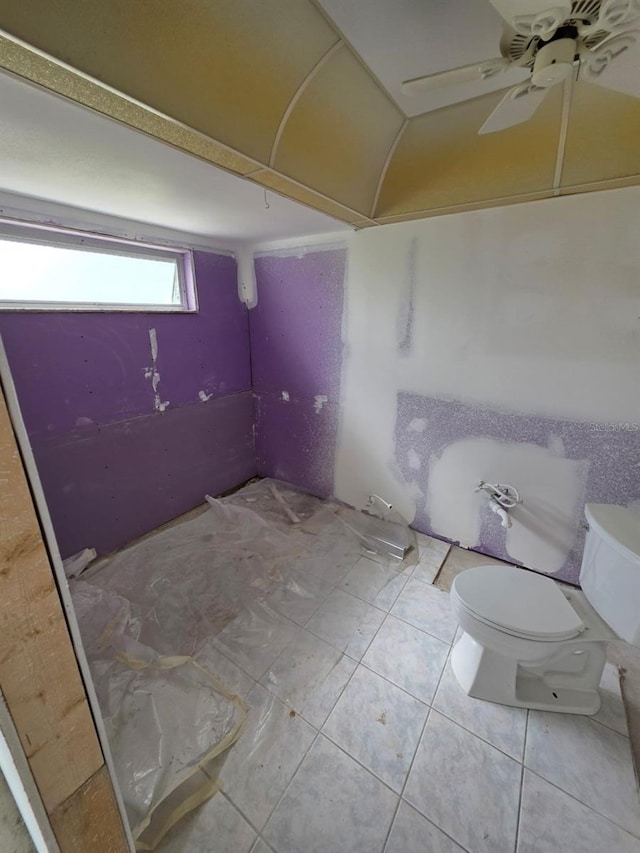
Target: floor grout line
<point>318,732</point>
<point>293,776</point>
<point>406,780</point>
<point>471,732</point>
<point>369,668</point>
<point>582,803</point>
<point>435,637</point>
<point>520,795</point>
<point>592,719</point>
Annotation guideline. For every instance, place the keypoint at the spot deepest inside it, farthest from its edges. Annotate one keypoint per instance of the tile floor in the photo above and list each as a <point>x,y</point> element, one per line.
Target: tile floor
<point>360,740</point>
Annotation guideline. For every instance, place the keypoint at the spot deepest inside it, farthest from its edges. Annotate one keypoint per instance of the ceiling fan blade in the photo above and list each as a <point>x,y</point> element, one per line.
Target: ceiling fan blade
<point>615,14</point>
<point>464,74</point>
<point>615,64</point>
<point>534,17</point>
<point>518,105</point>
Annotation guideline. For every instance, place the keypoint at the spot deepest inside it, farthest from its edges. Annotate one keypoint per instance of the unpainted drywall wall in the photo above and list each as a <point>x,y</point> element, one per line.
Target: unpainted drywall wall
<point>513,357</point>
<point>133,417</point>
<point>501,345</point>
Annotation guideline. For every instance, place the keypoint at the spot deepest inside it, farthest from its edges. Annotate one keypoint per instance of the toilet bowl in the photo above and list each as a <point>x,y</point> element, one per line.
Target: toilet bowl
<point>529,643</point>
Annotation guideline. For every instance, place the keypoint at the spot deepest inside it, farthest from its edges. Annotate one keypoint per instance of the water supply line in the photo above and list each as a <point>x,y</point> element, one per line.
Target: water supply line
<point>502,498</point>
<point>378,506</point>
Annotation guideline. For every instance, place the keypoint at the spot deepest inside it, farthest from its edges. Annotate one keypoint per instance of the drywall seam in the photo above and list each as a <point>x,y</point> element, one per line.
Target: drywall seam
<point>385,165</point>
<point>297,95</point>
<point>406,303</point>
<point>564,127</point>
<point>13,406</point>
<point>152,373</point>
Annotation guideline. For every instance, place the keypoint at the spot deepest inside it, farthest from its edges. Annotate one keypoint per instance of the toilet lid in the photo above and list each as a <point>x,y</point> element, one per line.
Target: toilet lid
<point>518,601</point>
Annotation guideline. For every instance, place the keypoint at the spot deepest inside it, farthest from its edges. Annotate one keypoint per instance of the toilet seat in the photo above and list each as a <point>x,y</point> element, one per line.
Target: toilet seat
<point>517,602</point>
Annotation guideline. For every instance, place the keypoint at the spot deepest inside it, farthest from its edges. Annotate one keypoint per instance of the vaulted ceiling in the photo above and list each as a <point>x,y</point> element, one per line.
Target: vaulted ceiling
<point>304,98</point>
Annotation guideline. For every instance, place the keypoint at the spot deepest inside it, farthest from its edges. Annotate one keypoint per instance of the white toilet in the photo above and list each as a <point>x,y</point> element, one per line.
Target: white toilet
<point>529,643</point>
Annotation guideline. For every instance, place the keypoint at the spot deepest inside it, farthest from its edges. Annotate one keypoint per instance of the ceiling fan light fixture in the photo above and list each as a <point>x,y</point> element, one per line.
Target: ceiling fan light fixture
<point>554,62</point>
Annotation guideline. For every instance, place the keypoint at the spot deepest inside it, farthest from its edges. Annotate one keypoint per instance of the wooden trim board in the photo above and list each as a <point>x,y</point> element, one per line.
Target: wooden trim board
<point>39,674</point>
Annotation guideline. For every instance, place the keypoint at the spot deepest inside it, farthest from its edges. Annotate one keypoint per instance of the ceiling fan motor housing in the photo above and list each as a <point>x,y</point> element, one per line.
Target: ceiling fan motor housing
<point>554,60</point>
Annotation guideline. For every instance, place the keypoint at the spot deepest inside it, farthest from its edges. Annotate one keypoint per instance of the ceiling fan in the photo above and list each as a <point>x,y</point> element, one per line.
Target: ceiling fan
<point>550,41</point>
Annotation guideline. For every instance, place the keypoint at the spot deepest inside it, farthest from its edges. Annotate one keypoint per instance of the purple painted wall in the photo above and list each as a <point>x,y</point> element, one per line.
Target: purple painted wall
<point>613,458</point>
<point>296,351</point>
<point>112,467</point>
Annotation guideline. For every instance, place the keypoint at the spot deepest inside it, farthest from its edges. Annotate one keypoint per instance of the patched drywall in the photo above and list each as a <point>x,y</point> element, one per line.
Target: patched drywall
<point>557,464</point>
<point>133,417</point>
<point>500,345</point>
<point>296,356</point>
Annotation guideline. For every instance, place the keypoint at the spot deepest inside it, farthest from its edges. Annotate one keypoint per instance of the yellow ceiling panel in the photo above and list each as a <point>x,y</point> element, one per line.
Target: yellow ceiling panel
<point>465,208</point>
<point>67,83</point>
<point>441,161</point>
<point>339,133</point>
<point>603,139</point>
<point>227,68</point>
<point>292,189</point>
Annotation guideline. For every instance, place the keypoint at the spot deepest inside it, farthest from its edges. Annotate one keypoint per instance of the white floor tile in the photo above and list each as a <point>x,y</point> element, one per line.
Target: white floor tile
<point>432,556</point>
<point>300,669</point>
<point>502,726</point>
<point>330,561</point>
<point>553,822</point>
<point>321,702</point>
<point>332,804</point>
<point>379,725</point>
<point>466,787</point>
<point>367,579</point>
<point>587,760</point>
<point>426,608</point>
<point>299,596</point>
<point>388,595</point>
<point>261,763</point>
<point>413,833</point>
<point>430,543</point>
<point>255,638</point>
<point>426,570</point>
<point>215,827</point>
<point>231,676</point>
<point>364,633</point>
<point>346,622</point>
<point>407,656</point>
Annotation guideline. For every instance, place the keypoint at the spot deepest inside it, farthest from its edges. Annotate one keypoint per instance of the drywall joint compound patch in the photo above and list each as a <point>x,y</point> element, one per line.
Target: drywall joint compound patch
<point>320,400</point>
<point>152,373</point>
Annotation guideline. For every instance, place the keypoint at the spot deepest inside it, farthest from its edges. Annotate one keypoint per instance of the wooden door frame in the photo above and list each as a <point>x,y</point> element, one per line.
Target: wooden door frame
<point>95,787</point>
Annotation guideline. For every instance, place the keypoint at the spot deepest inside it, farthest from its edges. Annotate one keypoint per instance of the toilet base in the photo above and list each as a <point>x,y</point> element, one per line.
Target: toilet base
<point>556,684</point>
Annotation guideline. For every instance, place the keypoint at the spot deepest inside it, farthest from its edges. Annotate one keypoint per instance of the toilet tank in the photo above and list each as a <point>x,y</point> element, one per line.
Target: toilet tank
<point>610,572</point>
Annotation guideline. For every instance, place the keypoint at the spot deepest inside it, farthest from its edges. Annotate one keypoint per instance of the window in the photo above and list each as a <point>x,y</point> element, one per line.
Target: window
<point>46,269</point>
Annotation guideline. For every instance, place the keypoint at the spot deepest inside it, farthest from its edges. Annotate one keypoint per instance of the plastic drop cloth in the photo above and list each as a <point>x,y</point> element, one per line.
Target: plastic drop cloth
<point>183,624</point>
